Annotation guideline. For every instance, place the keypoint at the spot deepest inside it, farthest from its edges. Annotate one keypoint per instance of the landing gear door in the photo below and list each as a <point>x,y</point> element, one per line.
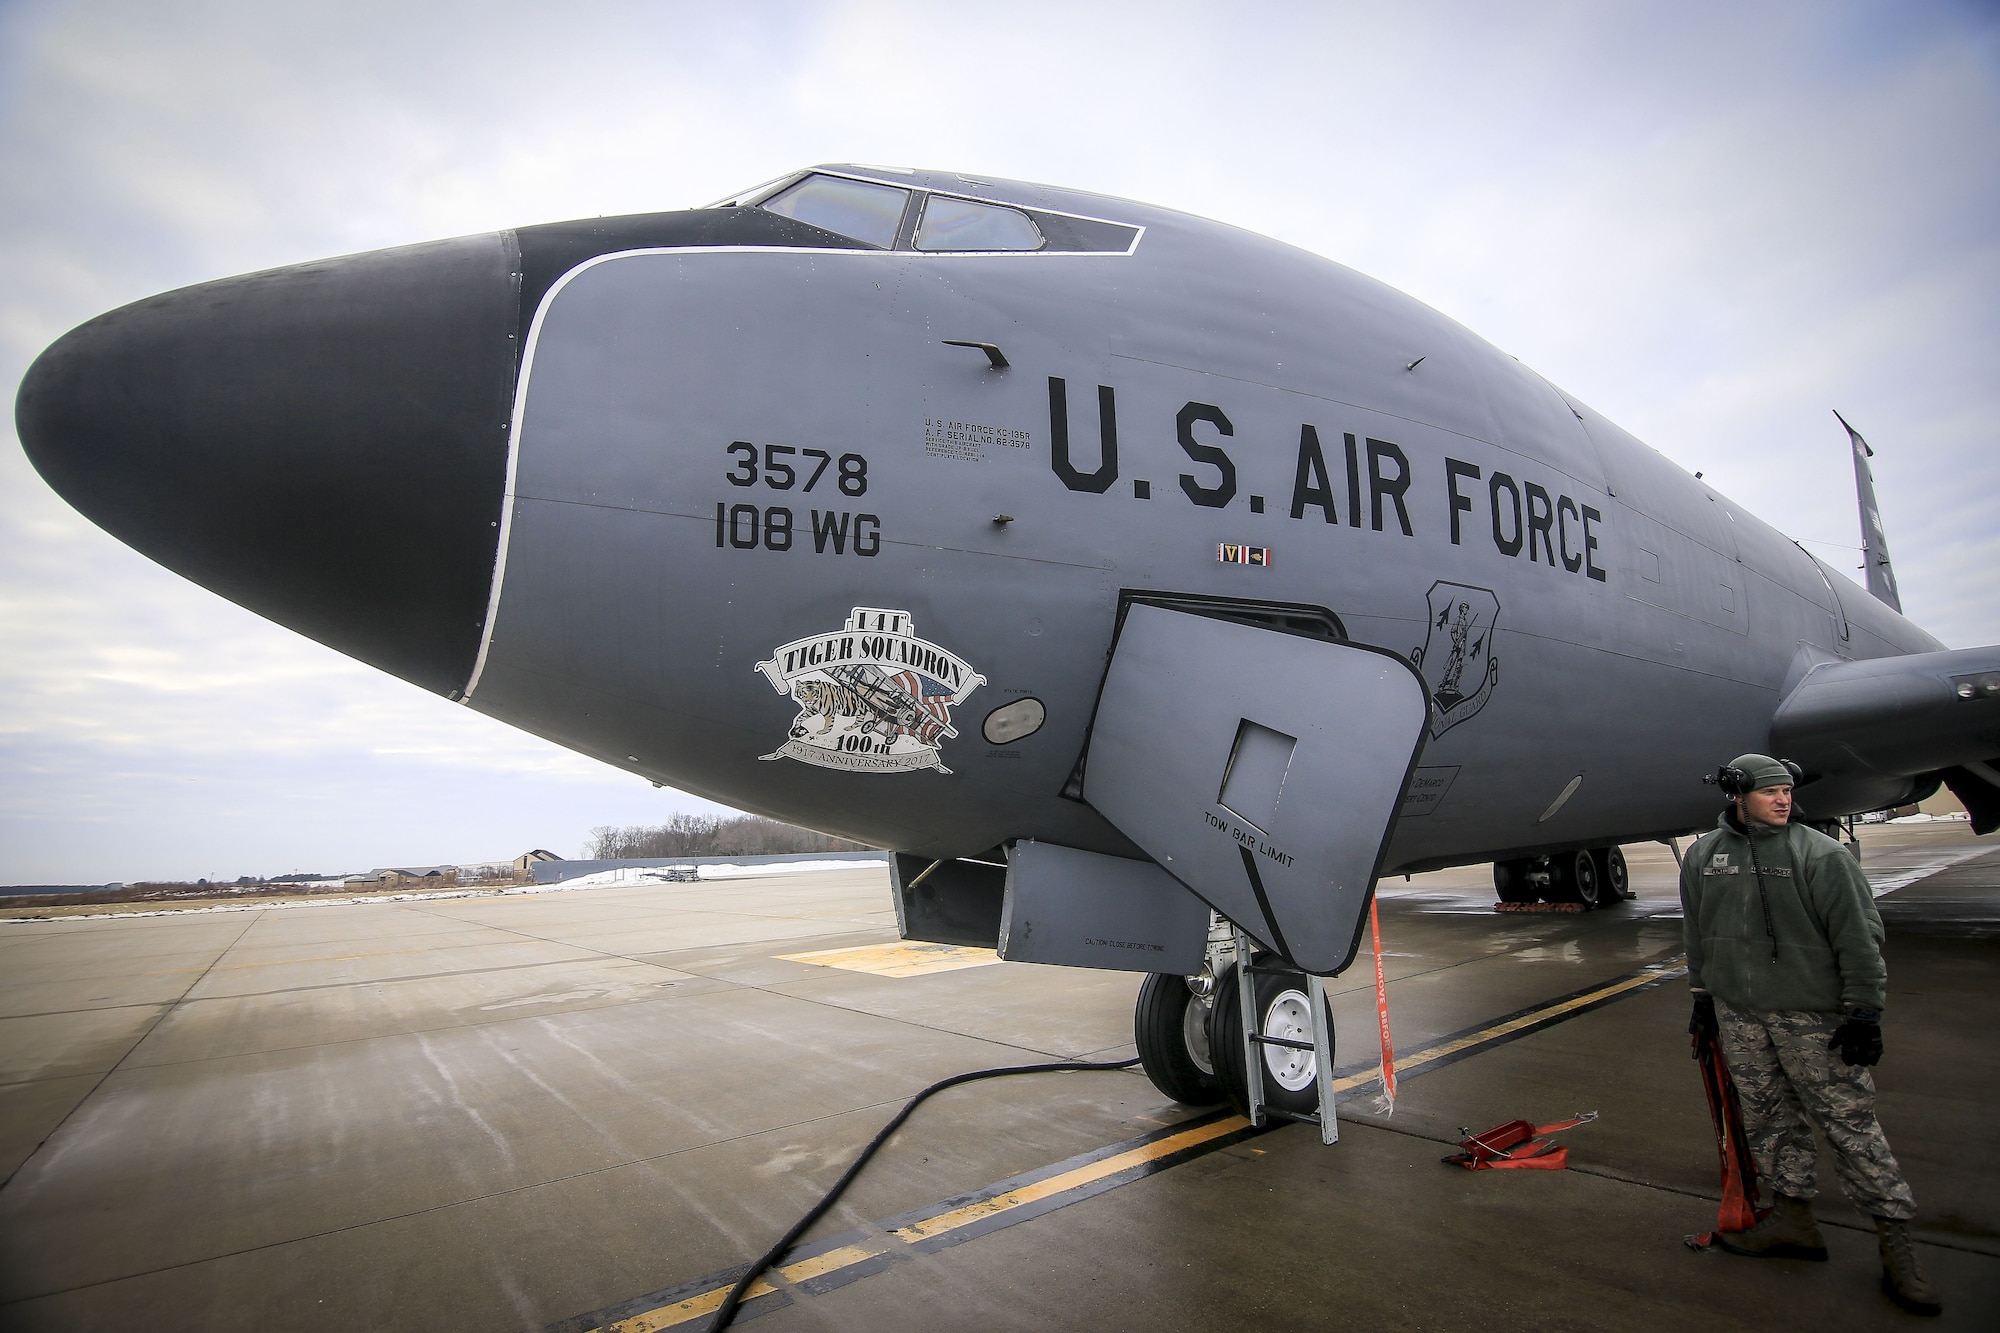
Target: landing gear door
<point>1263,769</point>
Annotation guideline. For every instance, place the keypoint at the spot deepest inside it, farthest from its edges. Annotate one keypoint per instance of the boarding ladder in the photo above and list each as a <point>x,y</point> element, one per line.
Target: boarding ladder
<point>1254,1041</point>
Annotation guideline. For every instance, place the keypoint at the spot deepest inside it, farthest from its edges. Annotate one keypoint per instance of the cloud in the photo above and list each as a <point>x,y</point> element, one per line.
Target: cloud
<point>1712,222</point>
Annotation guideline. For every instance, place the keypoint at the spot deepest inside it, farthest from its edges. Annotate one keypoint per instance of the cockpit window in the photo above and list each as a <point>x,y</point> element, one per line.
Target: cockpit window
<point>963,224</point>
<point>869,213</point>
<point>881,216</point>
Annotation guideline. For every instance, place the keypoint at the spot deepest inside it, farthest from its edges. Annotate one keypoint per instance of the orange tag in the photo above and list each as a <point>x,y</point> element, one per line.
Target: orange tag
<point>1382,1014</point>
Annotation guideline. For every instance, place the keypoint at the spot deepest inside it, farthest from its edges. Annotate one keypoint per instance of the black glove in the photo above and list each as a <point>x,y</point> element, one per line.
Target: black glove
<point>1702,1022</point>
<point>1859,1039</point>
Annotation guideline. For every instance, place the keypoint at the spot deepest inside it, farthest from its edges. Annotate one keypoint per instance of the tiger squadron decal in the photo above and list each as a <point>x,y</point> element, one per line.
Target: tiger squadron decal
<point>872,696</point>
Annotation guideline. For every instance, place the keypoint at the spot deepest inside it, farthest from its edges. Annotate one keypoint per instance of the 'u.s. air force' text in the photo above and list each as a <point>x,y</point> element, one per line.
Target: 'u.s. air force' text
<point>1367,476</point>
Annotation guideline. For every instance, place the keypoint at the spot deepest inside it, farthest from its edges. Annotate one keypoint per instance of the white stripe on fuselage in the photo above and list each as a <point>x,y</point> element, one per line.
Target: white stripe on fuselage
<point>555,289</point>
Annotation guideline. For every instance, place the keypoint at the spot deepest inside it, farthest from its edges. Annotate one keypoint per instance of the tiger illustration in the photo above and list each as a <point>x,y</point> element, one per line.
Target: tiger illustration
<point>867,699</point>
<point>831,701</point>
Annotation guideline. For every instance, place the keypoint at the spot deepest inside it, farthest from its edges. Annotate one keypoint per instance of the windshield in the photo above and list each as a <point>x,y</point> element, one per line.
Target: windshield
<point>869,213</point>
<point>963,224</point>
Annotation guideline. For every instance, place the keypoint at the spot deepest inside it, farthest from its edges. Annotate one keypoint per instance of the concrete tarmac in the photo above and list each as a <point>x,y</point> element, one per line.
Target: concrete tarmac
<point>550,1109</point>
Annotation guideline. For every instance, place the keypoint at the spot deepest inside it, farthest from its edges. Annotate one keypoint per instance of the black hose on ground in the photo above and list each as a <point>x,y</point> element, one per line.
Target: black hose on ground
<point>727,1311</point>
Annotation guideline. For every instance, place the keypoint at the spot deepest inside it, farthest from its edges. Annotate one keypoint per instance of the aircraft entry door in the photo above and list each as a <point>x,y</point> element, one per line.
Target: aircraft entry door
<point>1262,769</point>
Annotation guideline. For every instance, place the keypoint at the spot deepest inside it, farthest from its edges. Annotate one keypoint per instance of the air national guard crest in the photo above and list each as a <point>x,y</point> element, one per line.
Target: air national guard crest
<point>872,696</point>
<point>1457,657</point>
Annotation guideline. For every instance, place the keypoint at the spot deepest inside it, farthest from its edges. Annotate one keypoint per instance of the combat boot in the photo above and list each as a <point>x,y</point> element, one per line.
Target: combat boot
<point>1789,1232</point>
<point>1903,1278</point>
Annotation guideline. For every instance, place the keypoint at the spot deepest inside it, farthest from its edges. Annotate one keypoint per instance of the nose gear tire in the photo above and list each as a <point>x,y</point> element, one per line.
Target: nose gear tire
<point>1291,1077</point>
<point>1169,1026</point>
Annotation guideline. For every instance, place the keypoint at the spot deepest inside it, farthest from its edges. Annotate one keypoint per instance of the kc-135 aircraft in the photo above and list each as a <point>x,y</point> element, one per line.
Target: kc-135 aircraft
<point>1109,564</point>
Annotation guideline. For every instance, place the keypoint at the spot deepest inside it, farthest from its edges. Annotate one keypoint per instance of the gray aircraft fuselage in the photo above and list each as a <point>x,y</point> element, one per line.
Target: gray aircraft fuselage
<point>714,497</point>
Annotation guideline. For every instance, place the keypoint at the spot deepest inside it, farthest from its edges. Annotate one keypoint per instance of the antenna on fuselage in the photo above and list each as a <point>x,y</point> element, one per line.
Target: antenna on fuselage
<point>1874,543</point>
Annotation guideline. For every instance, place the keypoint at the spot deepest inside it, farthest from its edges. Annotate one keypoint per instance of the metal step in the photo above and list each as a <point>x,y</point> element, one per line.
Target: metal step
<point>1253,1063</point>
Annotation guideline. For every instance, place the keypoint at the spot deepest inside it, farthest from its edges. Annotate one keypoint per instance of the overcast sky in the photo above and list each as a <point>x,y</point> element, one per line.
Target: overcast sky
<point>1712,222</point>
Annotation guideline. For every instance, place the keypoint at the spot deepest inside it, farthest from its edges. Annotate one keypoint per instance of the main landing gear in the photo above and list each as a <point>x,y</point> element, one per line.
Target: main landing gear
<point>1594,877</point>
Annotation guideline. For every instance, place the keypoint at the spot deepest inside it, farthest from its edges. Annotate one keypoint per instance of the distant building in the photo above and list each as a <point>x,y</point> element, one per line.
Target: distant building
<point>391,877</point>
<point>517,868</point>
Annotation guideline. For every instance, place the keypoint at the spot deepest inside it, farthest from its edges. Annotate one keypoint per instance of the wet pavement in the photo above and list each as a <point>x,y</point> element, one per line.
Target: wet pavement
<point>517,1112</point>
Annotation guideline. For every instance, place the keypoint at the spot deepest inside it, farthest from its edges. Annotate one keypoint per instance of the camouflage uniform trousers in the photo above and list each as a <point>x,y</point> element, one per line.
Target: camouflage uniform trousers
<point>1790,1084</point>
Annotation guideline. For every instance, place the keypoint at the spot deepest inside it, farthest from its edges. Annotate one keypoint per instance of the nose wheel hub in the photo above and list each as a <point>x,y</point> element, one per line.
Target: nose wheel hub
<point>1290,1017</point>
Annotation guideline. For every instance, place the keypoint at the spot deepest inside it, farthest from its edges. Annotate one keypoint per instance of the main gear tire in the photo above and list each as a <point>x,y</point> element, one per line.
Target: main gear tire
<point>1170,1028</point>
<point>1576,880</point>
<point>1291,1077</point>
<point>1612,875</point>
<point>1511,884</point>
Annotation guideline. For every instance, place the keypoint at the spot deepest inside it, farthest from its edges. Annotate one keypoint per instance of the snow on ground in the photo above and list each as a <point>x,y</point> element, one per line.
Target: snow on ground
<point>627,875</point>
<point>706,870</point>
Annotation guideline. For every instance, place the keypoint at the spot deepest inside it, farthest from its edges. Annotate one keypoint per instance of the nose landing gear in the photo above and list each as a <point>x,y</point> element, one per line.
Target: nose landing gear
<point>1291,1069</point>
<point>1197,1048</point>
<point>1170,1027</point>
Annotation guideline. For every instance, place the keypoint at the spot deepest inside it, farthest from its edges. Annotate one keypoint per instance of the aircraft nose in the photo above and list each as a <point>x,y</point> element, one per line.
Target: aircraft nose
<point>324,444</point>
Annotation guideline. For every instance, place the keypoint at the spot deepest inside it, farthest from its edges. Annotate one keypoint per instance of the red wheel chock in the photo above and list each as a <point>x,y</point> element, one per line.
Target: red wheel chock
<point>1518,1145</point>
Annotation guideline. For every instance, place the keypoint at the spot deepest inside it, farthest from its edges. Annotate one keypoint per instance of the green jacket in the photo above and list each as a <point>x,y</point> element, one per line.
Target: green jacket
<point>1820,948</point>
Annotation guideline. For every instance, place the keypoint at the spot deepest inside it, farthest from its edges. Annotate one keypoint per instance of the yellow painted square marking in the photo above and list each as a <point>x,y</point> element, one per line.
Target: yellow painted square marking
<point>905,958</point>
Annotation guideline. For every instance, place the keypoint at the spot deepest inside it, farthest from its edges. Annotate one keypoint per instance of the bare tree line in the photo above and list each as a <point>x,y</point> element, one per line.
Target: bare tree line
<point>709,835</point>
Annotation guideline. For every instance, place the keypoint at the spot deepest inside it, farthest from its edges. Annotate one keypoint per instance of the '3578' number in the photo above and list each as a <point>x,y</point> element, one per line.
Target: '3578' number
<point>781,475</point>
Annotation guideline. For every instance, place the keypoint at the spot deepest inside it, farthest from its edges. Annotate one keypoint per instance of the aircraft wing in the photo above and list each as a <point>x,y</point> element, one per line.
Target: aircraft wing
<point>1921,714</point>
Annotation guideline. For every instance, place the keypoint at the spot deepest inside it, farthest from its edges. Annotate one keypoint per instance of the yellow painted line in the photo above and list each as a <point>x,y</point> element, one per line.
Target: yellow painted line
<point>902,959</point>
<point>1429,1054</point>
<point>694,1307</point>
<point>708,1302</point>
<point>821,1264</point>
<point>1069,1180</point>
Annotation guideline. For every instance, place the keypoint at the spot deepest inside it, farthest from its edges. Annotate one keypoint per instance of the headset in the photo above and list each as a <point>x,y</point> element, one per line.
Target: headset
<point>1734,782</point>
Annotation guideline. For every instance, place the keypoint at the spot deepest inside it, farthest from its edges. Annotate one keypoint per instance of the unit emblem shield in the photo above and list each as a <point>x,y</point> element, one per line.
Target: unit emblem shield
<point>872,696</point>
<point>1457,657</point>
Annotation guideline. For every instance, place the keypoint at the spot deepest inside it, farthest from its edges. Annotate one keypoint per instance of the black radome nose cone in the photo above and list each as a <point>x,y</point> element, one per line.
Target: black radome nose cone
<point>324,444</point>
